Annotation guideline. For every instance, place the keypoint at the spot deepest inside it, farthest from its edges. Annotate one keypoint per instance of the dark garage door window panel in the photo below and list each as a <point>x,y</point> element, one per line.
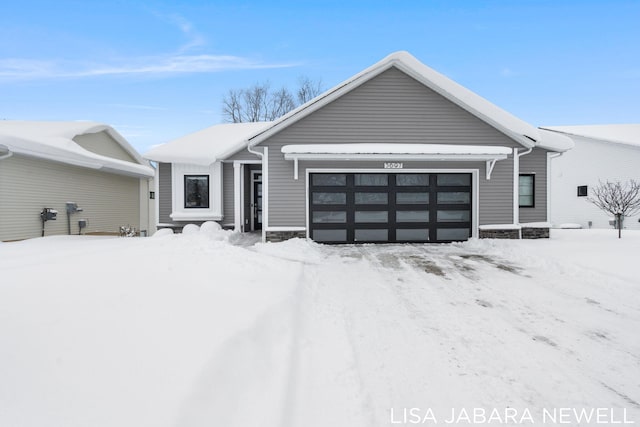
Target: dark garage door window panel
<point>390,207</point>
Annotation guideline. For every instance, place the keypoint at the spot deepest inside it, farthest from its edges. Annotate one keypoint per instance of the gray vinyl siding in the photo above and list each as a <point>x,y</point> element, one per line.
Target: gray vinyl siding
<point>27,185</point>
<point>227,195</point>
<point>390,108</point>
<point>164,196</point>
<point>289,210</point>
<point>536,163</point>
<point>102,143</point>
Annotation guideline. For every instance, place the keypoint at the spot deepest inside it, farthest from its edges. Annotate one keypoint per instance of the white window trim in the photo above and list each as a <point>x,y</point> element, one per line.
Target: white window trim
<point>475,185</point>
<point>214,211</point>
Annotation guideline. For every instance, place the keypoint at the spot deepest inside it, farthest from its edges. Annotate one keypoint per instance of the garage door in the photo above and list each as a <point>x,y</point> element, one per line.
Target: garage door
<point>389,207</point>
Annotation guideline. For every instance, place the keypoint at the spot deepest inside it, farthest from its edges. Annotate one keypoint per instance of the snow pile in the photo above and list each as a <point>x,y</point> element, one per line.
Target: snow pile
<point>570,225</point>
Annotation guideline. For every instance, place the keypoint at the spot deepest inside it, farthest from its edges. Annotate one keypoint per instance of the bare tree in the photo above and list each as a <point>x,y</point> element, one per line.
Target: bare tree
<point>281,102</point>
<point>232,106</point>
<point>260,103</point>
<point>308,89</point>
<point>620,199</point>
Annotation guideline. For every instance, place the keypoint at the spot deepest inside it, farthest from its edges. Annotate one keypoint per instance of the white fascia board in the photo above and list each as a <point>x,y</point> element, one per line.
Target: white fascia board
<point>403,157</point>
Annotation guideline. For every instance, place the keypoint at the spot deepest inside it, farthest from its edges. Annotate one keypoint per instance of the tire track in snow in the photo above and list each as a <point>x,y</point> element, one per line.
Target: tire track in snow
<point>325,385</point>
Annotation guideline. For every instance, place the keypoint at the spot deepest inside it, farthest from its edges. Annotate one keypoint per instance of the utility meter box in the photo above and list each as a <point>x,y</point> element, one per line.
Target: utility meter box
<point>49,214</point>
<point>73,207</point>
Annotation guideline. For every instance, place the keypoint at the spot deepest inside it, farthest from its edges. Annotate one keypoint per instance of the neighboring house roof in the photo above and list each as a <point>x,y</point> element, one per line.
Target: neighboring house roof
<point>208,145</point>
<point>54,141</point>
<point>522,132</point>
<point>628,134</point>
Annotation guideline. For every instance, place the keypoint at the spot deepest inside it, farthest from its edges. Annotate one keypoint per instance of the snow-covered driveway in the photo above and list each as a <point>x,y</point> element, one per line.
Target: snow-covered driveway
<point>449,327</point>
<point>300,334</point>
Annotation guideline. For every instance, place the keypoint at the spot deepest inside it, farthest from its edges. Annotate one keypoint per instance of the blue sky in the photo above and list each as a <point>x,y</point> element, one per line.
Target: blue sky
<point>157,70</point>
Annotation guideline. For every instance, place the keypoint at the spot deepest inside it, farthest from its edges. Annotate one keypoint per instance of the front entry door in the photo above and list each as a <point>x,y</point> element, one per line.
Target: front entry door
<point>256,200</point>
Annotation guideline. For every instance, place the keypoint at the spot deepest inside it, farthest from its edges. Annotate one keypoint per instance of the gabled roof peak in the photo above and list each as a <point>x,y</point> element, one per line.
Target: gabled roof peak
<point>525,134</point>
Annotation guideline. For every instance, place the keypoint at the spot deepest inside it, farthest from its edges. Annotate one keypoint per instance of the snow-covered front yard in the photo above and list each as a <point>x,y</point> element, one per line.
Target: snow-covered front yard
<point>205,329</point>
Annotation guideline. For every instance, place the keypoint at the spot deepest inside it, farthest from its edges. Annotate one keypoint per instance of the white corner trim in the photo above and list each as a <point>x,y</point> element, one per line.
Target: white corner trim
<point>550,157</point>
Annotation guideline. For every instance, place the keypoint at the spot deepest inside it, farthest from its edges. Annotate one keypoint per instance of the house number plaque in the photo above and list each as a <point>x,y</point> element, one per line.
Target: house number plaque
<point>393,165</point>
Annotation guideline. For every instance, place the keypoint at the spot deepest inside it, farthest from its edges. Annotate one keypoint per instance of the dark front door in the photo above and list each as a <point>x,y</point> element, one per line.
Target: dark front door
<point>389,207</point>
<point>257,201</point>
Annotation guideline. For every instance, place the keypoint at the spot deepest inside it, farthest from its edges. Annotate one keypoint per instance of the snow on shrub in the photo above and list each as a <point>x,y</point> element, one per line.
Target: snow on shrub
<point>190,229</point>
<point>163,232</point>
<point>210,227</point>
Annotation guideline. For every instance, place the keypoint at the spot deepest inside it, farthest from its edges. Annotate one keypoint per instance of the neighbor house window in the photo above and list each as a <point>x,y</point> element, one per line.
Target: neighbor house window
<point>196,191</point>
<point>526,191</point>
<point>582,191</point>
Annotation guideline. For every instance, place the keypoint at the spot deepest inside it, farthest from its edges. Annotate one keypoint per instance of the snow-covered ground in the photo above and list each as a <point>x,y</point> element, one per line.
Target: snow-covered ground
<point>206,329</point>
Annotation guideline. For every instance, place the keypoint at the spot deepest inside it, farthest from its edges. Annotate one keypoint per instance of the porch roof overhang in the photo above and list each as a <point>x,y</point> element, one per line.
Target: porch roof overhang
<point>396,152</point>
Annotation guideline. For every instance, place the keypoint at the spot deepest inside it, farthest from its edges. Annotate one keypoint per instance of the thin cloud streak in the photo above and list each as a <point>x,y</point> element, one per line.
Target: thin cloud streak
<point>25,69</point>
<point>194,38</point>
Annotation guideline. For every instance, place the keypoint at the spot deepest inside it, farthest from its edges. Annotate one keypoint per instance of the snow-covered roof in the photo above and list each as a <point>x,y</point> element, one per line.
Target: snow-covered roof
<point>54,141</point>
<point>208,145</point>
<point>628,134</point>
<point>527,135</point>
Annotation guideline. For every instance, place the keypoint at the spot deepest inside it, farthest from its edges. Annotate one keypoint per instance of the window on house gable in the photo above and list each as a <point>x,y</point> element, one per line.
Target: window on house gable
<point>196,191</point>
<point>527,190</point>
<point>582,191</point>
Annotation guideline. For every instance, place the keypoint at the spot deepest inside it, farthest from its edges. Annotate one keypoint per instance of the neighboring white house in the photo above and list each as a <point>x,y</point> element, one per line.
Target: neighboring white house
<point>601,153</point>
<point>55,166</point>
